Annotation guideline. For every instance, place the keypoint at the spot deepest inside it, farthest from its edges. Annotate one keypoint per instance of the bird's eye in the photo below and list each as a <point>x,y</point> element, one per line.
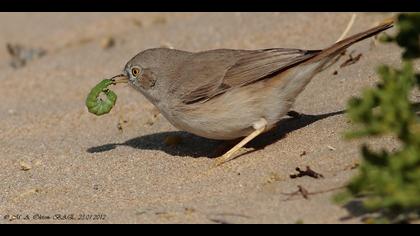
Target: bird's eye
<point>135,71</point>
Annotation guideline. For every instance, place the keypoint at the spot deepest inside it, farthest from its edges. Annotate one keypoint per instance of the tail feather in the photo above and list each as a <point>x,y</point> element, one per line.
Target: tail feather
<point>338,47</point>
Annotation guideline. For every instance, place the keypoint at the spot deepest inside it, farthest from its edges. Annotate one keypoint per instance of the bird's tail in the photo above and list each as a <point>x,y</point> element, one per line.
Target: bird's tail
<point>338,47</point>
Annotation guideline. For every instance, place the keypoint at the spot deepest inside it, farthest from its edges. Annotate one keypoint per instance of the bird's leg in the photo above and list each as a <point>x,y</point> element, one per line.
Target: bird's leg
<point>225,146</point>
<point>259,128</point>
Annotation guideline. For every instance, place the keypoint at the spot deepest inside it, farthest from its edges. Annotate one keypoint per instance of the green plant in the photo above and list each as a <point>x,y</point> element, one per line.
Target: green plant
<point>388,182</point>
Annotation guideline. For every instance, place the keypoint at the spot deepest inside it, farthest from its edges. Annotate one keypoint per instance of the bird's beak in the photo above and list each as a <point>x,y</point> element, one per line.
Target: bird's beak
<point>120,79</point>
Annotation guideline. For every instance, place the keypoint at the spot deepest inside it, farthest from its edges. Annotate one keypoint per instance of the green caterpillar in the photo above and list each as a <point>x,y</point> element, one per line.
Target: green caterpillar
<point>98,106</point>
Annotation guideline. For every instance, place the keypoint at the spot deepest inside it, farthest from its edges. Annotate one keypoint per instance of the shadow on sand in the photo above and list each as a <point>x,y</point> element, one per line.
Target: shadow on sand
<point>194,146</point>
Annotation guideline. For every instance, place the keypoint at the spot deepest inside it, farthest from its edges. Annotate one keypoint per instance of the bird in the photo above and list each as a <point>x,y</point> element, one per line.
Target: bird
<point>226,94</point>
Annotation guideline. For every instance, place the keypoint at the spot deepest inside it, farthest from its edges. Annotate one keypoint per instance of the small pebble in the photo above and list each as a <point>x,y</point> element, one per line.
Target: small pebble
<point>189,210</point>
<point>167,45</point>
<point>108,42</point>
<point>331,148</point>
<point>150,122</point>
<point>274,177</point>
<point>120,125</point>
<point>25,166</point>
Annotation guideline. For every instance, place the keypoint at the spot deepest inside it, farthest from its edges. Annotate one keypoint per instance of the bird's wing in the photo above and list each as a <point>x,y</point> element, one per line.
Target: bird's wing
<point>214,72</point>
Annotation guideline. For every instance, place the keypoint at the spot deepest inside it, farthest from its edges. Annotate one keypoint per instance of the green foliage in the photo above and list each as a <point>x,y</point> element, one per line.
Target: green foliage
<point>408,36</point>
<point>388,182</point>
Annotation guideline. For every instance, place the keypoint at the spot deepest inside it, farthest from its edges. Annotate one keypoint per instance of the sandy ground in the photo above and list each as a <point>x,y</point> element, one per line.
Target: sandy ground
<point>85,165</point>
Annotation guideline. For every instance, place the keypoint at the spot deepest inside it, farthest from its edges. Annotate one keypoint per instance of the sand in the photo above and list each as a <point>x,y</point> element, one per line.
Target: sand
<point>58,160</point>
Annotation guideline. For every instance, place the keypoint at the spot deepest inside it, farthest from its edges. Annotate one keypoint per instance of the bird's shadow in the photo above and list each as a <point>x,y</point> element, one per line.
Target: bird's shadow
<point>195,146</point>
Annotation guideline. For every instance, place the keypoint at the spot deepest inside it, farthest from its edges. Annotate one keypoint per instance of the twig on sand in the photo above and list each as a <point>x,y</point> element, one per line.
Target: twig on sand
<point>351,60</point>
<point>349,25</point>
<point>305,193</point>
<point>308,172</point>
<point>301,191</point>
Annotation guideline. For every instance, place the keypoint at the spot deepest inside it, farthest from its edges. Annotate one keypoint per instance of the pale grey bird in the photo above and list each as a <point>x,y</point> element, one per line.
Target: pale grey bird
<point>226,94</point>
